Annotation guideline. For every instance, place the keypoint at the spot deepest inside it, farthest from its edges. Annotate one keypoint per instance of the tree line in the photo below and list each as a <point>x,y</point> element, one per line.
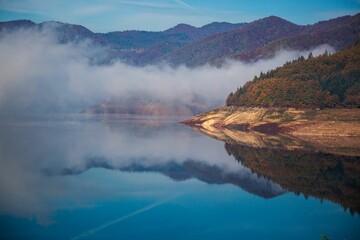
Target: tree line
<point>326,81</point>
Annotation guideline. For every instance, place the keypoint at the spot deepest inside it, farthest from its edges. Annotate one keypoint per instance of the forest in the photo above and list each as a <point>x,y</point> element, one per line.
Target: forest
<point>326,81</point>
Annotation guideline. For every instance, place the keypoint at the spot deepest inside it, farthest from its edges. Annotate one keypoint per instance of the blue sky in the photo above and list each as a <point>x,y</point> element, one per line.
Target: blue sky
<point>110,15</point>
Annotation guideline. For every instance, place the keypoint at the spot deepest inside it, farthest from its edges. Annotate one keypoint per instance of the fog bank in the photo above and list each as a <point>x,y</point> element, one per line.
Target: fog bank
<point>40,75</point>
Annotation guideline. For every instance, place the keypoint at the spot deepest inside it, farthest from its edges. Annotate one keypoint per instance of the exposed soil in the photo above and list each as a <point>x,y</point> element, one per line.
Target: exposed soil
<point>331,130</point>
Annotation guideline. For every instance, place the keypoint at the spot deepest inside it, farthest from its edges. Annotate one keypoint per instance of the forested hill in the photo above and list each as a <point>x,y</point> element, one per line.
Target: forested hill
<point>326,81</point>
<point>191,46</point>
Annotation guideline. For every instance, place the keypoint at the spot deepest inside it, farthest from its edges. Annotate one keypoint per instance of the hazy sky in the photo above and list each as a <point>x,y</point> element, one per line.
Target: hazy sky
<point>110,15</point>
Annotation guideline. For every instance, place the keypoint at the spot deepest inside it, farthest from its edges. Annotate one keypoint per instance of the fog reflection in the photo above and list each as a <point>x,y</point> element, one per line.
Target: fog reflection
<point>44,159</point>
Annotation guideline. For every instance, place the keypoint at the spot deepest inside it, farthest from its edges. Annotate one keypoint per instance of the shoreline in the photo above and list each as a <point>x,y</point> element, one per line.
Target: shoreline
<point>307,122</point>
<point>329,130</point>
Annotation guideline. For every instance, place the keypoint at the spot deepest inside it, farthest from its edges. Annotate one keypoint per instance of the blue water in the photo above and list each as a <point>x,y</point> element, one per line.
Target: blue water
<point>124,177</point>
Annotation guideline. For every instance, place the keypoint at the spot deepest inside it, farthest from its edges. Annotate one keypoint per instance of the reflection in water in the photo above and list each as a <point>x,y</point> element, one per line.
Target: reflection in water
<point>38,152</point>
<point>100,177</point>
<point>322,175</point>
<point>297,166</point>
<point>188,169</point>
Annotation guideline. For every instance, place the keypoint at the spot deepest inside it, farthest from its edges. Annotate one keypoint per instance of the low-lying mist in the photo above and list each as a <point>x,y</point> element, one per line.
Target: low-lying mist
<point>40,75</point>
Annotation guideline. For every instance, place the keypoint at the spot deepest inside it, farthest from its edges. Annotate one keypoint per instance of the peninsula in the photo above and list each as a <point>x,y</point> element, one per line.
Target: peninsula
<point>316,100</point>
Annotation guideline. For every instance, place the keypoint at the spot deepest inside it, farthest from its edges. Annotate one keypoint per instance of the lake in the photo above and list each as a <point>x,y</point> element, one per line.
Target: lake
<point>127,177</point>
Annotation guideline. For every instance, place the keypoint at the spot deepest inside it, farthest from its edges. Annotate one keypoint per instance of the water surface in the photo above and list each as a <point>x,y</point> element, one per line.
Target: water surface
<point>126,177</point>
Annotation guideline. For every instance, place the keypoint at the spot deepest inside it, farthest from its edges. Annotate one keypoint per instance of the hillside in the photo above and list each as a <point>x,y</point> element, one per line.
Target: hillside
<point>326,81</point>
<point>308,99</point>
<point>261,39</point>
<point>64,32</point>
<point>181,33</point>
<point>338,33</point>
<point>249,37</point>
<point>212,43</point>
<point>133,47</point>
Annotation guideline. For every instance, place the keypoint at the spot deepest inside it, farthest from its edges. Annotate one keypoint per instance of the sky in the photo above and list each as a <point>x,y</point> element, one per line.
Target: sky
<point>158,15</point>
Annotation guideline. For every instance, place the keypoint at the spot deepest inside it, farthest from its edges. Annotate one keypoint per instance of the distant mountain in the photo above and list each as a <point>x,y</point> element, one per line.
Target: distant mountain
<point>148,106</point>
<point>133,47</point>
<point>142,48</point>
<point>338,33</point>
<point>249,37</point>
<point>213,43</point>
<point>261,39</point>
<point>71,33</point>
<point>181,34</point>
<point>64,32</point>
<point>195,33</point>
<point>325,81</point>
<point>185,29</point>
<point>16,25</point>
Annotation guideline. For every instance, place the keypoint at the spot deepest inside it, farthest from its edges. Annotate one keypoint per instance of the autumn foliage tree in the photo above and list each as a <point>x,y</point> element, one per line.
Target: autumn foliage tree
<point>326,81</point>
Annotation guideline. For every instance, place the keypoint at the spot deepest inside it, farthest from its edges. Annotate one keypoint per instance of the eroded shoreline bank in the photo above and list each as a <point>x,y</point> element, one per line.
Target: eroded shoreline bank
<point>332,130</point>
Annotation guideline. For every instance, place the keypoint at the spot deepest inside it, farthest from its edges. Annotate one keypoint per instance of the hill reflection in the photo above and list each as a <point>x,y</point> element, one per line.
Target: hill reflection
<point>188,169</point>
<point>43,158</point>
<point>298,167</point>
<point>322,175</point>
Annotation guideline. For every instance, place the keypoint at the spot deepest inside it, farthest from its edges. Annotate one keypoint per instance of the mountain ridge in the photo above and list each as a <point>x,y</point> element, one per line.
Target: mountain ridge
<point>212,43</point>
<point>248,37</point>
